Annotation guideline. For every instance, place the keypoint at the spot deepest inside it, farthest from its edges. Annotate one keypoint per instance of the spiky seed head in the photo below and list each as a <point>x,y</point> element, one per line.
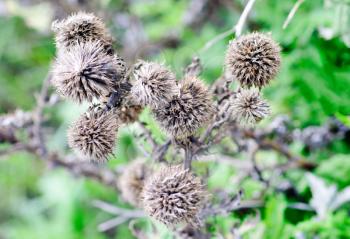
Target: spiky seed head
<point>253,59</point>
<point>81,28</point>
<point>93,135</point>
<point>248,107</point>
<point>86,72</point>
<point>132,180</point>
<point>154,85</point>
<point>174,195</point>
<point>188,111</point>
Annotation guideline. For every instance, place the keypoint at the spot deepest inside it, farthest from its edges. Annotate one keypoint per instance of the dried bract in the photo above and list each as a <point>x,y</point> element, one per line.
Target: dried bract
<point>81,28</point>
<point>154,85</point>
<point>87,72</point>
<point>93,135</point>
<point>253,59</point>
<point>188,111</point>
<point>132,181</point>
<point>248,107</point>
<point>174,195</point>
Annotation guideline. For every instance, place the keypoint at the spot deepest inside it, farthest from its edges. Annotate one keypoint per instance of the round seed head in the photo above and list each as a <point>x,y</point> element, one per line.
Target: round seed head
<point>86,72</point>
<point>174,195</point>
<point>248,107</point>
<point>188,111</point>
<point>81,28</point>
<point>93,135</point>
<point>154,84</point>
<point>132,181</point>
<point>253,59</point>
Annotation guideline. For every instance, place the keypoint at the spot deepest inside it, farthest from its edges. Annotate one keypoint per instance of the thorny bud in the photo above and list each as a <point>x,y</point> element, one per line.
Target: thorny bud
<point>132,180</point>
<point>174,195</point>
<point>87,72</point>
<point>93,135</point>
<point>253,59</point>
<point>188,111</point>
<point>81,28</point>
<point>248,107</point>
<point>154,85</point>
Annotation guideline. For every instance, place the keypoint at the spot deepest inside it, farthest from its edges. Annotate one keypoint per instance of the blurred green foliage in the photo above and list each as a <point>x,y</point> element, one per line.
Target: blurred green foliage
<point>314,84</point>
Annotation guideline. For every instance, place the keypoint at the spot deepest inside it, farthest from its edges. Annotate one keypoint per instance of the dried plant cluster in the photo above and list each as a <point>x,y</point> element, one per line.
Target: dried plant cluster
<point>253,60</point>
<point>88,69</point>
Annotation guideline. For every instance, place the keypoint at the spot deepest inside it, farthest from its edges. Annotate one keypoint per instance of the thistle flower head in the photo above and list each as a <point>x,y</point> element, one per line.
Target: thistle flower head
<point>253,59</point>
<point>81,28</point>
<point>174,195</point>
<point>132,181</point>
<point>248,107</point>
<point>188,111</point>
<point>92,136</point>
<point>154,84</point>
<point>86,72</point>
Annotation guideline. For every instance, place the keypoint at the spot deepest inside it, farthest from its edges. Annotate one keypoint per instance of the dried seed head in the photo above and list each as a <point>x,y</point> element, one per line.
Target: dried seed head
<point>253,59</point>
<point>129,114</point>
<point>93,135</point>
<point>174,195</point>
<point>132,181</point>
<point>87,72</point>
<point>188,111</point>
<point>248,107</point>
<point>154,84</point>
<point>81,28</point>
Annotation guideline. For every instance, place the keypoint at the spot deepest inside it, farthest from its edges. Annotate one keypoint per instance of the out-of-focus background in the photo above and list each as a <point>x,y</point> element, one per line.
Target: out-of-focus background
<point>311,91</point>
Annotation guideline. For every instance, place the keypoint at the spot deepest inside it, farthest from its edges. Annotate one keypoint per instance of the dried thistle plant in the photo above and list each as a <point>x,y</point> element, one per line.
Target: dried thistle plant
<point>132,180</point>
<point>253,59</point>
<point>188,111</point>
<point>81,28</point>
<point>93,135</point>
<point>87,72</point>
<point>174,195</point>
<point>154,85</point>
<point>248,107</point>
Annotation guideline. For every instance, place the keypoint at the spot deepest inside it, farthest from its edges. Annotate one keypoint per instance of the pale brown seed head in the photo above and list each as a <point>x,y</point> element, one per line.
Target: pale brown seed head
<point>248,107</point>
<point>87,72</point>
<point>174,195</point>
<point>93,135</point>
<point>81,28</point>
<point>132,180</point>
<point>154,85</point>
<point>188,111</point>
<point>253,59</point>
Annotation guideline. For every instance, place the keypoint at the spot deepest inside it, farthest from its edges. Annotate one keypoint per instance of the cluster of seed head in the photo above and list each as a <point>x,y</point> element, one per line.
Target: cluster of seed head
<point>253,60</point>
<point>174,195</point>
<point>87,69</point>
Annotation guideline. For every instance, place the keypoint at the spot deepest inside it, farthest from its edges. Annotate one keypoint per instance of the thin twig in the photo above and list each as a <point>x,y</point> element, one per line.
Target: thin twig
<point>38,116</point>
<point>235,29</point>
<point>292,13</point>
<point>188,157</point>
